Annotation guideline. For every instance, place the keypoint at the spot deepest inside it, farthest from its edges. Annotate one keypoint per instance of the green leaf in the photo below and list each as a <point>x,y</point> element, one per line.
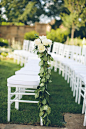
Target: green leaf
<point>42,88</point>
<point>50,81</point>
<point>48,122</point>
<point>44,101</point>
<point>43,80</point>
<point>41,63</point>
<point>45,107</point>
<point>45,58</point>
<point>45,115</point>
<point>47,76</point>
<point>40,55</point>
<point>51,58</point>
<point>42,84</point>
<point>49,110</point>
<point>41,113</point>
<point>49,70</point>
<point>36,95</point>
<point>42,70</point>
<point>41,109</point>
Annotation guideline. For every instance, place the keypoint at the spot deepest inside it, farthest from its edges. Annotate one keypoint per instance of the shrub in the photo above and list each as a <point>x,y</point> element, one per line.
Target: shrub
<point>30,35</point>
<point>3,42</point>
<point>4,54</point>
<point>12,23</point>
<point>58,35</point>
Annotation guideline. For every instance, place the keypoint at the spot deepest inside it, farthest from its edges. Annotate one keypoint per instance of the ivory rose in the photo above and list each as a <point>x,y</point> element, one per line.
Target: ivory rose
<point>37,41</point>
<point>46,42</point>
<point>41,48</point>
<point>42,37</point>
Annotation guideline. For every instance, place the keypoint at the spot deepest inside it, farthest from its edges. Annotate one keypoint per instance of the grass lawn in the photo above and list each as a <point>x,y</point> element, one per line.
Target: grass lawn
<point>61,100</point>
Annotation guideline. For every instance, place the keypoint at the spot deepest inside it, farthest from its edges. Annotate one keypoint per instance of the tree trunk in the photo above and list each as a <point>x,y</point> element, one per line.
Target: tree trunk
<point>72,34</point>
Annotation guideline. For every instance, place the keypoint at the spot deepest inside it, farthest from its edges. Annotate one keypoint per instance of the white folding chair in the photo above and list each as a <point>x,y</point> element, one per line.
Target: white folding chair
<point>18,53</point>
<point>57,57</point>
<point>28,54</point>
<point>82,93</point>
<point>19,82</point>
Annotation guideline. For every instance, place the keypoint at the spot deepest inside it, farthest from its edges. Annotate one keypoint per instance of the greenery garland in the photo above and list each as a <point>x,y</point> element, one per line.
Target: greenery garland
<point>41,46</point>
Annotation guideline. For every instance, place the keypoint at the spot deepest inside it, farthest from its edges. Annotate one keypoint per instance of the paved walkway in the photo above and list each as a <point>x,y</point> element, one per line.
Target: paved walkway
<point>74,121</point>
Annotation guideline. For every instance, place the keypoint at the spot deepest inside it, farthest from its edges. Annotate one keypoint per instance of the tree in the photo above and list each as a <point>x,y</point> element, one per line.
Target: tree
<point>30,10</point>
<point>75,16</point>
<point>1,13</point>
<point>53,7</point>
<point>22,10</point>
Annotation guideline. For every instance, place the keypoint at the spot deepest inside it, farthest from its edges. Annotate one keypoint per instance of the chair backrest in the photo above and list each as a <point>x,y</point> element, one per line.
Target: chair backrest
<point>31,47</point>
<point>83,55</point>
<point>77,53</point>
<point>61,49</point>
<point>26,45</point>
<point>71,51</point>
<point>56,48</point>
<point>66,51</point>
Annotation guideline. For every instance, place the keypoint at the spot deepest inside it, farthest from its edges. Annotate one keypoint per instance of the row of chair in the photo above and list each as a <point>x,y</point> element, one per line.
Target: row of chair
<point>71,61</point>
<point>22,55</point>
<point>25,82</point>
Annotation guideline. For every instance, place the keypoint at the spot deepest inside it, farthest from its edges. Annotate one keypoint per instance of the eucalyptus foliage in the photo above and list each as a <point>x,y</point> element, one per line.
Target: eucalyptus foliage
<point>41,46</point>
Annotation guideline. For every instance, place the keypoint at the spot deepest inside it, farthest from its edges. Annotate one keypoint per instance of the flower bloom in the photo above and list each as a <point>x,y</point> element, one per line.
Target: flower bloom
<point>37,41</point>
<point>49,41</point>
<point>46,42</point>
<point>41,48</point>
<point>42,37</point>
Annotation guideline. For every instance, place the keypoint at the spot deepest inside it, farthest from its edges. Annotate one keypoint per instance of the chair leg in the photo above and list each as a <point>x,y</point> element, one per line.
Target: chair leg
<point>14,58</point>
<point>17,97</point>
<point>76,95</point>
<point>84,123</point>
<point>9,104</point>
<point>41,121</point>
<point>63,72</point>
<point>18,59</point>
<point>51,64</point>
<point>21,61</point>
<point>20,96</point>
<point>55,67</point>
<point>79,98</point>
<point>83,108</point>
<point>77,89</point>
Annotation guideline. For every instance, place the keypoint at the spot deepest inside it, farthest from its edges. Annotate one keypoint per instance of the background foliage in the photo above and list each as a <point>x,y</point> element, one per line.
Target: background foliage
<point>30,35</point>
<point>58,35</point>
<point>70,13</point>
<point>3,42</point>
<point>75,17</point>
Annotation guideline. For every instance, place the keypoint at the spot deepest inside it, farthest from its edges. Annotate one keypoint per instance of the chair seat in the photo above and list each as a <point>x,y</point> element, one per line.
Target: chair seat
<point>26,80</point>
<point>35,68</point>
<point>26,72</point>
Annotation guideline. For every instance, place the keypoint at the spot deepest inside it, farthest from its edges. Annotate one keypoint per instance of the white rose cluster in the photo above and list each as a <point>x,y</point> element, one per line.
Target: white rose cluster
<point>42,42</point>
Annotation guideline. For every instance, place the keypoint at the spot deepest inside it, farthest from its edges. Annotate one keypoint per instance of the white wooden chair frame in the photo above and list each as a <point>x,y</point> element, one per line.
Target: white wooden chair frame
<point>20,90</point>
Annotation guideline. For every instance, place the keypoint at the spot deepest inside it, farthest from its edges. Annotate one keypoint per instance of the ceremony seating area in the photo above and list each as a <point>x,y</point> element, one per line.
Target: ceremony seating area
<point>61,99</point>
<point>69,60</point>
